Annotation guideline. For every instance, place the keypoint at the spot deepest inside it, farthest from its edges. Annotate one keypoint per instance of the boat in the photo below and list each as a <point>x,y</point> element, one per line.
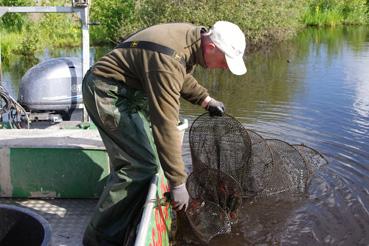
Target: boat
<point>54,170</point>
<point>59,174</point>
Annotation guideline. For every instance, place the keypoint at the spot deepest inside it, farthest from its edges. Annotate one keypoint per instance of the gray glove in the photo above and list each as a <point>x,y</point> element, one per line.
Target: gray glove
<point>179,197</point>
<point>215,108</point>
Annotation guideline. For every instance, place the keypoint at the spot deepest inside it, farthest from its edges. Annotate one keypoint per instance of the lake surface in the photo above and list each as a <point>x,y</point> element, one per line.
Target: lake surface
<point>312,90</point>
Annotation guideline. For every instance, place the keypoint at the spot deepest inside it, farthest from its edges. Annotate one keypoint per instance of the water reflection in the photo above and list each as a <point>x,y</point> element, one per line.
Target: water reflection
<point>312,90</point>
<point>17,66</point>
<point>14,71</point>
<point>361,78</point>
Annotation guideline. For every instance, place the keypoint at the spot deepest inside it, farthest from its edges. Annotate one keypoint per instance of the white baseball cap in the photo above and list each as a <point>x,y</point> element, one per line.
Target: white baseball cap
<point>229,38</point>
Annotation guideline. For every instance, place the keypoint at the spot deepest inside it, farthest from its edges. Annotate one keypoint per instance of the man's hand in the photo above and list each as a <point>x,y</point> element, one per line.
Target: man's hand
<point>215,108</point>
<point>179,197</point>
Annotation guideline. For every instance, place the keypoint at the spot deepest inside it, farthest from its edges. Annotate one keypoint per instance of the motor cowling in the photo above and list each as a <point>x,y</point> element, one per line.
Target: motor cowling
<point>52,85</point>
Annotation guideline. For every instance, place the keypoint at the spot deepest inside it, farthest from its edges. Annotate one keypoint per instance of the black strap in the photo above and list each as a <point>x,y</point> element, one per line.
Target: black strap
<point>146,45</point>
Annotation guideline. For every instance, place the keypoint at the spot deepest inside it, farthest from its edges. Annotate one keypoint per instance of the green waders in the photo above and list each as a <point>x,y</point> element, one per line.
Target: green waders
<point>121,116</point>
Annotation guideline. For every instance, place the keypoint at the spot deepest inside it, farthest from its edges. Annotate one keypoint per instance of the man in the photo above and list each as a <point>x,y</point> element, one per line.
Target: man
<point>132,95</point>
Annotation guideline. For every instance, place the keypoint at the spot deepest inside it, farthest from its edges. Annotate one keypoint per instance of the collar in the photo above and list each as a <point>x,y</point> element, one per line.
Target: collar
<point>194,47</point>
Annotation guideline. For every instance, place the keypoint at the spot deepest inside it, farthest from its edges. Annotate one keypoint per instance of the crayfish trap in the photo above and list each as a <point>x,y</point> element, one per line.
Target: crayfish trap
<point>231,163</point>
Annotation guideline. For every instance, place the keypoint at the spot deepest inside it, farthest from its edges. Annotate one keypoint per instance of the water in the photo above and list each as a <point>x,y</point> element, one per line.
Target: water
<point>312,90</point>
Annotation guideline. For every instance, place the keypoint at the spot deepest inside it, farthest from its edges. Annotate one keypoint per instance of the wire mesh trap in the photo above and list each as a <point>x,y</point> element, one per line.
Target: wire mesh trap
<point>208,219</point>
<point>258,170</point>
<point>313,159</point>
<point>211,185</point>
<point>288,172</point>
<point>215,200</point>
<point>220,143</point>
<point>231,163</point>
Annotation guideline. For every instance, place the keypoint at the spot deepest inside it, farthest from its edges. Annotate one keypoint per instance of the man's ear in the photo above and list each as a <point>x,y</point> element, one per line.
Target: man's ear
<point>210,47</point>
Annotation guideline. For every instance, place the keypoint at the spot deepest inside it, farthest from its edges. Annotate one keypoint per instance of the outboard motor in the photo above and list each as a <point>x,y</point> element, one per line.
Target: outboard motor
<point>52,90</point>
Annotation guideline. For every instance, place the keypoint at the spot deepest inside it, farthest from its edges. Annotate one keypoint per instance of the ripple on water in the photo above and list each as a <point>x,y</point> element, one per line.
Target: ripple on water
<point>334,212</point>
<point>332,215</point>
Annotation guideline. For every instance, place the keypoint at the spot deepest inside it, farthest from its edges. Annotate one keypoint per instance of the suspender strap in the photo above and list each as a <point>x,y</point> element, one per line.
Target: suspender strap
<point>146,45</point>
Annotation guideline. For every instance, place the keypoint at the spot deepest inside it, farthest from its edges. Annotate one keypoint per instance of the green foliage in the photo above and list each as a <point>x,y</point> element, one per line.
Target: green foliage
<point>13,44</point>
<point>109,14</point>
<point>356,12</point>
<point>263,20</point>
<point>30,42</point>
<point>61,30</point>
<point>336,12</point>
<point>13,22</point>
<point>8,42</point>
<point>31,33</point>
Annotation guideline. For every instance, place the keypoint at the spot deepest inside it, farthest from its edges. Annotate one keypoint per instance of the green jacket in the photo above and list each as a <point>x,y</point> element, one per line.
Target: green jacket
<point>164,80</point>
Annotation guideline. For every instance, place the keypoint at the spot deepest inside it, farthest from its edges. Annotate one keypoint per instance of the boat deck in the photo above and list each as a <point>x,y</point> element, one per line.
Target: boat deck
<point>68,218</point>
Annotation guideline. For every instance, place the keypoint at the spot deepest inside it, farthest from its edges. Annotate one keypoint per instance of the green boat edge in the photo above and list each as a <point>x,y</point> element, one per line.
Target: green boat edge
<point>36,169</point>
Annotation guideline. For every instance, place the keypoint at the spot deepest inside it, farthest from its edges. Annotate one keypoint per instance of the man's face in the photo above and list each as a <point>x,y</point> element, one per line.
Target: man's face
<point>214,57</point>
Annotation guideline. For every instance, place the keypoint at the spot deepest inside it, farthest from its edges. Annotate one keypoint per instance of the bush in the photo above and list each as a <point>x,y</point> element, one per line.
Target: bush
<point>36,31</point>
<point>8,42</point>
<point>62,30</point>
<point>263,21</point>
<point>110,14</point>
<point>13,22</point>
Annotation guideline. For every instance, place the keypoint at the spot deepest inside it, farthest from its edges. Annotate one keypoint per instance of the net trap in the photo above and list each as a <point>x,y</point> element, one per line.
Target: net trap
<point>231,164</point>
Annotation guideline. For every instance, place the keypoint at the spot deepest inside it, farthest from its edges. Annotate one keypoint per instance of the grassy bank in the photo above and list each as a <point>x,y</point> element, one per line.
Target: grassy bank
<point>25,34</point>
<point>263,21</point>
<point>336,12</point>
